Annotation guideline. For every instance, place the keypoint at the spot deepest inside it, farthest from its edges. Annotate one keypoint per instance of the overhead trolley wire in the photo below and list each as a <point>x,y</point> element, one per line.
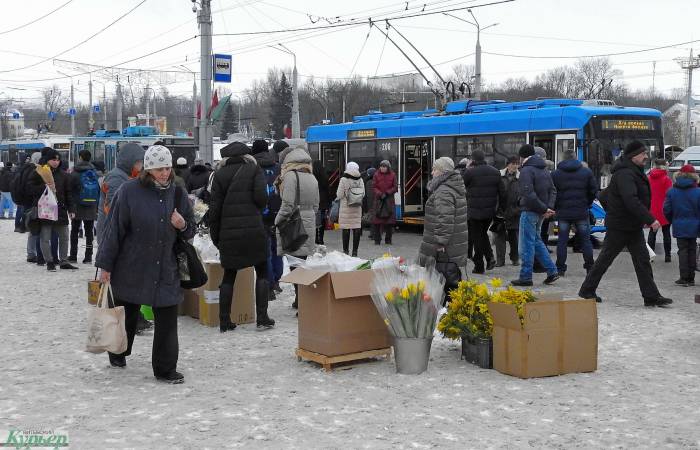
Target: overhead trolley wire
<point>37,19</point>
<point>78,44</point>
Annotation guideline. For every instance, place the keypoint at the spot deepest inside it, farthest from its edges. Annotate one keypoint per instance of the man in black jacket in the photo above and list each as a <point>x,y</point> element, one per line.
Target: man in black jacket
<point>626,202</point>
<point>484,191</point>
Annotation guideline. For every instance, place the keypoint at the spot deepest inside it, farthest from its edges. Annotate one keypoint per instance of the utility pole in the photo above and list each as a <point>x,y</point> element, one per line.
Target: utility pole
<point>296,132</point>
<point>72,105</point>
<point>689,64</point>
<point>91,121</point>
<point>194,102</point>
<point>119,106</point>
<point>205,31</point>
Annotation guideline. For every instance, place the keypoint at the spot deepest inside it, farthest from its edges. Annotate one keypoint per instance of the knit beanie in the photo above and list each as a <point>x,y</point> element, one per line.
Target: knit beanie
<point>688,168</point>
<point>539,151</point>
<point>370,172</point>
<point>278,146</point>
<point>259,146</point>
<point>157,157</point>
<point>352,167</point>
<point>386,164</point>
<point>444,164</point>
<point>181,162</point>
<point>634,148</point>
<point>36,157</point>
<point>526,151</point>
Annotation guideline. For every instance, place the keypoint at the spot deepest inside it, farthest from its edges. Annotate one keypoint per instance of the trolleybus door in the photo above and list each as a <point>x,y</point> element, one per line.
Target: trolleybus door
<point>564,142</point>
<point>416,166</point>
<point>333,159</point>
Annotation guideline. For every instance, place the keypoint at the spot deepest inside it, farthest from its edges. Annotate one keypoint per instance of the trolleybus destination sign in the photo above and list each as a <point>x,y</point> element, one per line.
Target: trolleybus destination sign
<point>627,124</point>
<point>362,134</point>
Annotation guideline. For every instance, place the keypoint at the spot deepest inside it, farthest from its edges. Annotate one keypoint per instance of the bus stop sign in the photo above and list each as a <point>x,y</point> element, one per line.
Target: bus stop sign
<point>222,68</point>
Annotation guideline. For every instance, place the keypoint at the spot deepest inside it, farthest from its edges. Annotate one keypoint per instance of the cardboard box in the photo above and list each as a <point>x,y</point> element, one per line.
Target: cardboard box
<point>190,305</point>
<point>557,337</point>
<point>336,313</point>
<point>243,304</point>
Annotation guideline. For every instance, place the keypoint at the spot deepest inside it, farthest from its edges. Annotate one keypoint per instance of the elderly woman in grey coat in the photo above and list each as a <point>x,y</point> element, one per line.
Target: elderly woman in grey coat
<point>296,168</point>
<point>137,256</point>
<point>351,192</point>
<point>445,226</point>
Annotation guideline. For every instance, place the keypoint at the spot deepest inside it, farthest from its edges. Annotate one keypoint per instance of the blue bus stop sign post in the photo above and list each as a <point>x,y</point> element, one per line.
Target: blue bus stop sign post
<point>71,111</point>
<point>96,108</point>
<point>15,115</point>
<point>52,115</point>
<point>222,68</point>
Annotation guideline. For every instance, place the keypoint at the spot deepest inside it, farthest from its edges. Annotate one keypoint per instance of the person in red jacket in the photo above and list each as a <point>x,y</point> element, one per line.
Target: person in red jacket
<point>660,184</point>
<point>384,209</point>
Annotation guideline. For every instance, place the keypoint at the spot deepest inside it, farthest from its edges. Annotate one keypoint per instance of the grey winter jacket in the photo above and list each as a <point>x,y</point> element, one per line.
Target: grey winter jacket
<point>308,200</point>
<point>137,244</point>
<point>445,223</point>
<point>537,191</point>
<point>127,156</point>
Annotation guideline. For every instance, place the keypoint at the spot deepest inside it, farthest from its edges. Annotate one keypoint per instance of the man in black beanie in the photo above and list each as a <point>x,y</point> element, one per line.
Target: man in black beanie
<point>626,202</point>
<point>259,146</point>
<point>278,147</point>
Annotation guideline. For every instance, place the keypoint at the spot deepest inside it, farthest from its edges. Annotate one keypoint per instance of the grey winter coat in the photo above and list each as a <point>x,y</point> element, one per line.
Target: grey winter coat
<point>350,216</point>
<point>82,212</point>
<point>127,156</point>
<point>445,223</point>
<point>308,200</point>
<point>137,244</point>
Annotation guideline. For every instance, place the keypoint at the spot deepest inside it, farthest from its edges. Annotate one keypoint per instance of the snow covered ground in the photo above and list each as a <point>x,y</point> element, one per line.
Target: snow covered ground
<point>246,389</point>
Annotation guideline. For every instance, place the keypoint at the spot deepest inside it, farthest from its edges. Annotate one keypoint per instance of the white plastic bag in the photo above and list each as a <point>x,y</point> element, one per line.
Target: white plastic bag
<point>652,255</point>
<point>47,206</point>
<point>206,248</point>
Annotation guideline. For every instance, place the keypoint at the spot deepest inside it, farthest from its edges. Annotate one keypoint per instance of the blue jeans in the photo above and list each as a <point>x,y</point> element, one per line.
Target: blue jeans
<point>530,246</point>
<point>583,235</point>
<point>275,265</point>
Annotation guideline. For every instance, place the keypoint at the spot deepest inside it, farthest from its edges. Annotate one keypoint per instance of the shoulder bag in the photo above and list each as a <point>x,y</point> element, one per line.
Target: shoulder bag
<point>190,267</point>
<point>291,231</point>
<point>449,269</point>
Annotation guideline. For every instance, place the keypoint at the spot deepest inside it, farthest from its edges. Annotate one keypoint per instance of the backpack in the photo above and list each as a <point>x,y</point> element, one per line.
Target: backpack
<point>89,188</point>
<point>274,201</point>
<point>18,183</point>
<point>355,195</point>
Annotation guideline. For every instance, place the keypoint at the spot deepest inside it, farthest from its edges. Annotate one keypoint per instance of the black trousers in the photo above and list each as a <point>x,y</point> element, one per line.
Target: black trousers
<point>544,231</point>
<point>165,343</point>
<point>479,230</point>
<point>687,254</point>
<point>377,232</point>
<point>615,241</point>
<point>356,234</point>
<point>89,235</point>
<point>666,231</point>
<point>511,237</point>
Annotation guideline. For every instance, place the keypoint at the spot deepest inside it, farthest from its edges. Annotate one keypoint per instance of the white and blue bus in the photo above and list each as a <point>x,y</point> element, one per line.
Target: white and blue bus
<point>597,130</point>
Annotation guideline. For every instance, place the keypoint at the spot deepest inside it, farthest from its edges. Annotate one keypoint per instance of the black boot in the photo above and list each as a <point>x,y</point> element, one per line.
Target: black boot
<point>262,296</point>
<point>88,255</point>
<point>356,233</point>
<point>225,299</point>
<point>346,241</point>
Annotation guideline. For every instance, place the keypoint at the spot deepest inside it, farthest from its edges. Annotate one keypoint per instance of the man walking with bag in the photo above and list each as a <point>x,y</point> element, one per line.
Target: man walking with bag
<point>626,201</point>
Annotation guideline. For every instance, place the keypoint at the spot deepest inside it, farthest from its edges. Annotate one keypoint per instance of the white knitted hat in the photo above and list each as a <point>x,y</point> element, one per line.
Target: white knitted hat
<point>157,157</point>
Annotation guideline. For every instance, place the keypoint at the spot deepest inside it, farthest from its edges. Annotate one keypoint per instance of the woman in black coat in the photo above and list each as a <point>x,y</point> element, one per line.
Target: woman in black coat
<point>323,200</point>
<point>238,197</point>
<point>136,255</point>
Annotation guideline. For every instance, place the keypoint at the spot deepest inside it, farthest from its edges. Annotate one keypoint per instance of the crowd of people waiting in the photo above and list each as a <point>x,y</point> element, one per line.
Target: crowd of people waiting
<point>142,207</point>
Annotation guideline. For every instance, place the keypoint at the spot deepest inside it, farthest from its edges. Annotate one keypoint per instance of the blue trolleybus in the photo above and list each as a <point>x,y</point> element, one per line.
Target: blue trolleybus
<point>596,129</point>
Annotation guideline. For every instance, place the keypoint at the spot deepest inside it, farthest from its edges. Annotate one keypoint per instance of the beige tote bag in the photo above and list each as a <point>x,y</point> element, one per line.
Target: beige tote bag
<point>106,326</point>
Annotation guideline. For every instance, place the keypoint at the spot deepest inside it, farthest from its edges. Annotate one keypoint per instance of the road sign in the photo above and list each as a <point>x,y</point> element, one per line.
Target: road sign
<point>15,115</point>
<point>52,115</point>
<point>222,68</point>
<point>96,108</point>
<point>71,111</point>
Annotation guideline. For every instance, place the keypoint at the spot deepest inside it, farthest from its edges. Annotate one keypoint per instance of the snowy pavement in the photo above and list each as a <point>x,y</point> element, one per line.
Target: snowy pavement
<point>246,389</point>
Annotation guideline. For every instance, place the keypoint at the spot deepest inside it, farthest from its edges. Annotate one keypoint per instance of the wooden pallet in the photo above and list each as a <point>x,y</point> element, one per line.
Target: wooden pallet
<point>328,361</point>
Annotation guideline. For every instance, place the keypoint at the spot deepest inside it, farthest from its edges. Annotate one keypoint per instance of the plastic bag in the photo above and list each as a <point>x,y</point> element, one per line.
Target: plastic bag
<point>48,205</point>
<point>206,248</point>
<point>652,254</point>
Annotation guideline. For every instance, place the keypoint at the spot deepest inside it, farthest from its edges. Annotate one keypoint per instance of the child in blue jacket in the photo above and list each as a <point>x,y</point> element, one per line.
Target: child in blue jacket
<point>682,209</point>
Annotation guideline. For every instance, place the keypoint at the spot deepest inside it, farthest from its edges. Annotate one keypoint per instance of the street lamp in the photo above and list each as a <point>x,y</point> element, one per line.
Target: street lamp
<point>194,95</point>
<point>296,132</point>
<point>72,103</point>
<point>477,63</point>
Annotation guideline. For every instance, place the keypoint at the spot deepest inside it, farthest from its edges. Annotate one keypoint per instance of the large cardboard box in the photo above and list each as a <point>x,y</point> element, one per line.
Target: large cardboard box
<point>336,313</point>
<point>557,337</point>
<point>190,305</point>
<point>243,305</point>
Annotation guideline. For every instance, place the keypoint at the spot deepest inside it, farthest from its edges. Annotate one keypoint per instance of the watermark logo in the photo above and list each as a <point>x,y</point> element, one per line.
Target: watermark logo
<point>21,439</point>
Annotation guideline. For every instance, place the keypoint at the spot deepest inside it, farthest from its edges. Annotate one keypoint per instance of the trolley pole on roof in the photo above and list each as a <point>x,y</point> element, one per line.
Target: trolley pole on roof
<point>206,68</point>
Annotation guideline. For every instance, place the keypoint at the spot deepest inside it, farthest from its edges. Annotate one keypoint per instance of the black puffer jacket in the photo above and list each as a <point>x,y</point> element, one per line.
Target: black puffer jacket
<point>238,198</point>
<point>64,193</point>
<point>576,190</point>
<point>82,212</point>
<point>628,198</point>
<point>7,174</point>
<point>484,190</point>
<point>509,209</point>
<point>198,177</point>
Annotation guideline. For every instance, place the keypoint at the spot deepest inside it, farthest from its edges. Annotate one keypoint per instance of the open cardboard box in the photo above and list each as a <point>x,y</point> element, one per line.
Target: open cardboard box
<point>243,304</point>
<point>336,312</point>
<point>558,336</point>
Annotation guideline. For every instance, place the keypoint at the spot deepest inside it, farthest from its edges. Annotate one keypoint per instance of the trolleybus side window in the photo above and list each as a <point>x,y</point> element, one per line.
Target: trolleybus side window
<point>445,146</point>
<point>314,151</point>
<point>333,163</point>
<point>363,153</point>
<point>99,153</point>
<point>506,145</point>
<point>389,150</point>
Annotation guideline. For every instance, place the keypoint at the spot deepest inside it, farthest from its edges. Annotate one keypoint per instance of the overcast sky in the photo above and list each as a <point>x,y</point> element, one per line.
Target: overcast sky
<point>539,28</point>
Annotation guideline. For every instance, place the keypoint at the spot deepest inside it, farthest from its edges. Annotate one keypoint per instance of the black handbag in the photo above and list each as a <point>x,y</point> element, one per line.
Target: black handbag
<point>190,267</point>
<point>384,211</point>
<point>449,269</point>
<point>291,231</point>
<point>498,225</point>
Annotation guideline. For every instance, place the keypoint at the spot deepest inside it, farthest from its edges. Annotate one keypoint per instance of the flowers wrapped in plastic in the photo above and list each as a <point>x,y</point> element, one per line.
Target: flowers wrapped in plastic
<point>408,299</point>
